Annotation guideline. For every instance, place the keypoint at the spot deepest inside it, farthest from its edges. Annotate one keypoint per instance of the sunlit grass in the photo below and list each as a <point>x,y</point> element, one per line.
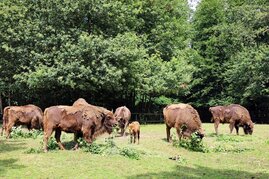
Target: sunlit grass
<point>229,156</point>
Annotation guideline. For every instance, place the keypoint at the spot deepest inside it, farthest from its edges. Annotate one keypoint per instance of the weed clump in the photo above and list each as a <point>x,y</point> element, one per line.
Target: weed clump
<point>230,149</point>
<point>130,153</point>
<point>17,132</point>
<point>108,148</point>
<point>194,144</point>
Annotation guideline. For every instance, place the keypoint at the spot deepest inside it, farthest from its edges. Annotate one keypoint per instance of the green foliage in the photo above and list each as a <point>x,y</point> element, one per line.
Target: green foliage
<point>34,151</point>
<point>17,132</point>
<point>194,144</point>
<point>230,148</point>
<point>108,148</point>
<point>130,153</point>
<point>115,52</point>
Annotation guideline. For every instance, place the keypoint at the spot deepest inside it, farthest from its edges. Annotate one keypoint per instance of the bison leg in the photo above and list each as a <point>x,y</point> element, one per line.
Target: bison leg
<point>237,129</point>
<point>168,133</point>
<point>47,134</point>
<point>88,135</point>
<point>179,133</point>
<point>138,136</point>
<point>8,129</point>
<point>58,138</point>
<point>125,127</point>
<point>2,130</point>
<point>131,137</point>
<point>76,136</point>
<point>231,127</point>
<point>134,137</point>
<point>216,125</point>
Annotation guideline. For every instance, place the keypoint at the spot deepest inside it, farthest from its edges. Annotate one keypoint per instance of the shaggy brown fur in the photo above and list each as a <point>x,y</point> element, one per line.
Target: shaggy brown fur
<point>83,120</point>
<point>134,130</point>
<point>122,115</point>
<point>184,118</point>
<point>218,116</point>
<point>234,114</point>
<point>29,115</point>
<point>238,117</point>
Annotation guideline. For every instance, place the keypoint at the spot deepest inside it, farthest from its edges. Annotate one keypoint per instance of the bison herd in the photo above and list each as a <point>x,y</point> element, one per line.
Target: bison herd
<point>89,121</point>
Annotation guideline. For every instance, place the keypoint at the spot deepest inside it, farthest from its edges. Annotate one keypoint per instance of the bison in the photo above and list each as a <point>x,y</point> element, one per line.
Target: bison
<point>234,114</point>
<point>29,115</point>
<point>184,118</point>
<point>238,116</point>
<point>122,115</point>
<point>84,120</point>
<point>218,116</point>
<point>134,130</point>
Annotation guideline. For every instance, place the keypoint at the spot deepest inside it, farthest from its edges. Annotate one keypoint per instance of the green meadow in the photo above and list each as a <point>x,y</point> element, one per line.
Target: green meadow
<point>228,156</point>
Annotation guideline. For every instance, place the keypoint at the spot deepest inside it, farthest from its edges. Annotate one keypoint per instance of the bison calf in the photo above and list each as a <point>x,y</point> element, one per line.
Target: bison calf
<point>134,130</point>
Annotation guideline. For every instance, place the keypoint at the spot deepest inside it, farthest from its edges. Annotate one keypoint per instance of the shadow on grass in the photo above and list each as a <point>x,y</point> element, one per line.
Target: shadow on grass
<point>201,172</point>
<point>11,145</point>
<point>9,164</point>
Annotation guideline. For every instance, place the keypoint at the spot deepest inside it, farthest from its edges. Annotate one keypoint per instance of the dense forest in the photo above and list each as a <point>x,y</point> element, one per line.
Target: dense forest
<point>143,53</point>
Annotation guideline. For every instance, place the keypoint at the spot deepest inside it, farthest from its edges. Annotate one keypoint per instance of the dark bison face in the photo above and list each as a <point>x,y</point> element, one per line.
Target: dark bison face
<point>110,122</point>
<point>200,133</point>
<point>248,128</point>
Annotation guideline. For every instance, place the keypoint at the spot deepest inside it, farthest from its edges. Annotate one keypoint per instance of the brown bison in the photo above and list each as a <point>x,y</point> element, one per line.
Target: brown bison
<point>184,118</point>
<point>234,114</point>
<point>134,130</point>
<point>238,116</point>
<point>218,116</point>
<point>122,115</point>
<point>29,115</point>
<point>83,120</point>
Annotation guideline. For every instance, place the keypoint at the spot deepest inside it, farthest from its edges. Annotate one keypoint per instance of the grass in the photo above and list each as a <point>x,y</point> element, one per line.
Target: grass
<point>229,156</point>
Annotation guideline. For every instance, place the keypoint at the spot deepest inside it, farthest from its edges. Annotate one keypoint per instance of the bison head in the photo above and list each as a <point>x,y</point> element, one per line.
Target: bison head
<point>248,128</point>
<point>109,122</point>
<point>200,133</point>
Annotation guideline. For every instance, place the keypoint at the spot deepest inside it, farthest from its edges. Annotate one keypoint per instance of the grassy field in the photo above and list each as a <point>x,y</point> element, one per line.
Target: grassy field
<point>229,156</point>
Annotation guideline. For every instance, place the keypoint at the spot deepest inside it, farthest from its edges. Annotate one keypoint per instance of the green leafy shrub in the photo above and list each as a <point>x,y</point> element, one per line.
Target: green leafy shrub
<point>194,143</point>
<point>130,153</point>
<point>108,148</point>
<point>52,144</point>
<point>17,132</point>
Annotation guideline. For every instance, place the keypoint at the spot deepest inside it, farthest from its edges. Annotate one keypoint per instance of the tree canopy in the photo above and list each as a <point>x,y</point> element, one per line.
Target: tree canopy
<point>143,53</point>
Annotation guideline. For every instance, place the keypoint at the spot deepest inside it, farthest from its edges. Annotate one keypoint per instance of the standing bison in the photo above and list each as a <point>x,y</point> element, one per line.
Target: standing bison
<point>29,115</point>
<point>238,116</point>
<point>82,119</point>
<point>122,115</point>
<point>134,130</point>
<point>234,114</point>
<point>184,118</point>
<point>218,116</point>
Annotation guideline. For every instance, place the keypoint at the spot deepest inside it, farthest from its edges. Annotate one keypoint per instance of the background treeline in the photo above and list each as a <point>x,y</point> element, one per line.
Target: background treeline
<point>140,53</point>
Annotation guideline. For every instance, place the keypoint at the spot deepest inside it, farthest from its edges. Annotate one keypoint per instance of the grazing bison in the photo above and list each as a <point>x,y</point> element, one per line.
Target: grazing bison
<point>29,115</point>
<point>238,116</point>
<point>122,115</point>
<point>83,120</point>
<point>218,116</point>
<point>134,130</point>
<point>184,118</point>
